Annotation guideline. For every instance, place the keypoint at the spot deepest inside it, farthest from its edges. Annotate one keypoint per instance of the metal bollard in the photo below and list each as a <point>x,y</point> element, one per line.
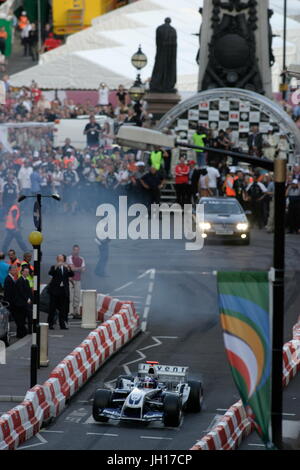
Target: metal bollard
<point>89,308</point>
<point>44,361</point>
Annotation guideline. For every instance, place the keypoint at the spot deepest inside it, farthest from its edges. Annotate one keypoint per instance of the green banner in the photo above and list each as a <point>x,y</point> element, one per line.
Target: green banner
<point>8,28</point>
<point>244,315</point>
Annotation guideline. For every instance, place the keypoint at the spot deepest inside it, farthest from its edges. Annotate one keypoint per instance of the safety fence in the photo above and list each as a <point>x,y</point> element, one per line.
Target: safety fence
<point>45,402</point>
<point>235,425</point>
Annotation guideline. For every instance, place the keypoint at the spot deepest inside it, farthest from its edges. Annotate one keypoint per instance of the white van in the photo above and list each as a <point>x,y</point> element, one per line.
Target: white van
<point>73,129</point>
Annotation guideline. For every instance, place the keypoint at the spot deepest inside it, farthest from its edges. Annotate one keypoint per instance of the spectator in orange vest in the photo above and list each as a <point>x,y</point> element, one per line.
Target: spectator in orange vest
<point>12,228</point>
<point>3,38</point>
<point>229,181</point>
<point>14,261</point>
<point>23,21</point>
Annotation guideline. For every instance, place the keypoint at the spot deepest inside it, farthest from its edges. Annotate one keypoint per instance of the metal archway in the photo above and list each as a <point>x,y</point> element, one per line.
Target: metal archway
<point>226,107</point>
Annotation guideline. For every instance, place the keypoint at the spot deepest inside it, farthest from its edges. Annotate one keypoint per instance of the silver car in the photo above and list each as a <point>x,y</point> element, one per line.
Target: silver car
<point>4,323</point>
<point>224,218</point>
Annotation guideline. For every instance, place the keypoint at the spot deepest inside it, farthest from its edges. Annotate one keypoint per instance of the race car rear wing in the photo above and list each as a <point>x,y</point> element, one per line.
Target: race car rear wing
<point>163,372</point>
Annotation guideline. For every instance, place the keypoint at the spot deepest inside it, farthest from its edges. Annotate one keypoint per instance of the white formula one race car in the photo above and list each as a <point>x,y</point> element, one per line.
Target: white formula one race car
<point>157,393</point>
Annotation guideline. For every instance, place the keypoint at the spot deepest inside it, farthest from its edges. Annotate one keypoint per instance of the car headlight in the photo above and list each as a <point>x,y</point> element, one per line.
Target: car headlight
<point>242,227</point>
<point>205,225</point>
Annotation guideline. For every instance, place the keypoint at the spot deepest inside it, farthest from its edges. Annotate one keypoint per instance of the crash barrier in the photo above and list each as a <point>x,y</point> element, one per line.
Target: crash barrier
<point>235,425</point>
<point>291,361</point>
<point>44,402</point>
<point>232,428</point>
<point>108,306</point>
<point>296,330</point>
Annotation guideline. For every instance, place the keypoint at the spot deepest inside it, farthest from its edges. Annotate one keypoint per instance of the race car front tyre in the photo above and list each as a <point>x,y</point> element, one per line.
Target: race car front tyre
<point>194,402</point>
<point>102,399</point>
<point>172,410</point>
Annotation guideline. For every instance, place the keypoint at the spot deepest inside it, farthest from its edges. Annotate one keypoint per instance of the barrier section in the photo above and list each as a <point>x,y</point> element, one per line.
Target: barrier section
<point>291,361</point>
<point>229,432</point>
<point>24,420</point>
<point>296,331</point>
<point>45,402</point>
<point>235,425</point>
<point>108,306</point>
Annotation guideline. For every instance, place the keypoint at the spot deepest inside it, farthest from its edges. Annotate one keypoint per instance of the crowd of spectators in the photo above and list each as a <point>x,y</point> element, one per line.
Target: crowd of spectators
<point>103,171</point>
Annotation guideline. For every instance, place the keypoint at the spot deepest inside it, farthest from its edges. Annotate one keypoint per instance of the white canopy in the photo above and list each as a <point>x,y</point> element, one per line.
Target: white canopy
<point>102,52</point>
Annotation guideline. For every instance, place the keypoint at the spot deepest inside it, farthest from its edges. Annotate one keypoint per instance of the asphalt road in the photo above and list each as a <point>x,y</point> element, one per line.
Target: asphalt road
<point>176,297</point>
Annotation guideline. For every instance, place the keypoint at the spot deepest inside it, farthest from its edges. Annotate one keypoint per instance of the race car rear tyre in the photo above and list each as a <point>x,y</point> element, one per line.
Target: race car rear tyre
<point>102,399</point>
<point>119,383</point>
<point>172,410</point>
<point>193,403</point>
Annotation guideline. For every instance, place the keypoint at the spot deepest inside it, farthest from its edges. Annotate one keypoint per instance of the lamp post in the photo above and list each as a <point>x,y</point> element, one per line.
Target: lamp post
<point>35,238</point>
<point>39,26</point>
<point>284,86</point>
<point>137,91</point>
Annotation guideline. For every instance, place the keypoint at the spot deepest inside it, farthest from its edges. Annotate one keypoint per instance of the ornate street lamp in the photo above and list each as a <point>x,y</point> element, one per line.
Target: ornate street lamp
<point>139,59</point>
<point>136,92</point>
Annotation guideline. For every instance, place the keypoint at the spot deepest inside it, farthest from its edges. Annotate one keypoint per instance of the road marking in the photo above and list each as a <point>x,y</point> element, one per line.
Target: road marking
<point>151,285</point>
<point>146,312</point>
<point>288,414</point>
<point>90,420</point>
<point>157,342</point>
<point>123,287</point>
<point>149,271</point>
<point>131,296</point>
<point>204,273</point>
<point>19,344</point>
<point>40,438</point>
<point>102,434</point>
<point>157,437</point>
<point>256,445</point>
<point>148,298</point>
<point>55,432</point>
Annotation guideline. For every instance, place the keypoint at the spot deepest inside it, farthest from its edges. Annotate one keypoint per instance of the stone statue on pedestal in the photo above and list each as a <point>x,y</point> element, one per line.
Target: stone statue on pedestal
<point>164,73</point>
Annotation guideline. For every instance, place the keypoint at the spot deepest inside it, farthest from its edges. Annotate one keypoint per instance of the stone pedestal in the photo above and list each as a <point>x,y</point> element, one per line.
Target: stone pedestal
<point>159,104</point>
<point>89,307</point>
<point>44,359</point>
<point>261,37</point>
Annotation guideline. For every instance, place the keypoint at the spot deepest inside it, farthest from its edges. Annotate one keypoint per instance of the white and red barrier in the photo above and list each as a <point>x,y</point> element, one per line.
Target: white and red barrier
<point>235,425</point>
<point>108,306</point>
<point>45,402</point>
<point>291,361</point>
<point>231,429</point>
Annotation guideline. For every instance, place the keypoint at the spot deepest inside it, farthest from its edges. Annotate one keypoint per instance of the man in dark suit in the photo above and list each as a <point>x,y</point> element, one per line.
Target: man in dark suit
<point>9,294</point>
<point>23,303</point>
<point>255,142</point>
<point>59,292</point>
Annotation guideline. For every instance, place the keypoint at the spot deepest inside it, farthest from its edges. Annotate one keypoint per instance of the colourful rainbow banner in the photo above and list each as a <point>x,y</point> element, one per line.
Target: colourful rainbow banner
<point>245,320</point>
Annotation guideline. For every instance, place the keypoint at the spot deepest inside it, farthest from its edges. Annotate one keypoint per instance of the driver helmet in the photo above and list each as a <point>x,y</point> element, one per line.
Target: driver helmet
<point>149,382</point>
